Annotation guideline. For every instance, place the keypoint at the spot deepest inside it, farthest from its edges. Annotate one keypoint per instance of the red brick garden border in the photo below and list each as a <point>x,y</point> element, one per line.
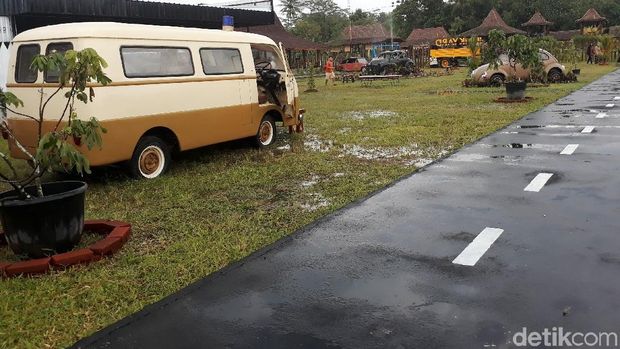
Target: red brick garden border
<point>116,235</point>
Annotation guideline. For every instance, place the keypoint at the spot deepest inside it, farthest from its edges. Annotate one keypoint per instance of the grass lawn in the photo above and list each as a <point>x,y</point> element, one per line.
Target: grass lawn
<point>219,204</point>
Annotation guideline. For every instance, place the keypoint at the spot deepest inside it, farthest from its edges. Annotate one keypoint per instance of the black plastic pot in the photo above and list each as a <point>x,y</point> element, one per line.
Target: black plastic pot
<point>576,72</point>
<point>44,226</point>
<point>515,90</point>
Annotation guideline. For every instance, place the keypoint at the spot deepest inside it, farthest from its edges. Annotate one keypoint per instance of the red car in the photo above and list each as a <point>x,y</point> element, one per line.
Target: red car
<point>352,65</point>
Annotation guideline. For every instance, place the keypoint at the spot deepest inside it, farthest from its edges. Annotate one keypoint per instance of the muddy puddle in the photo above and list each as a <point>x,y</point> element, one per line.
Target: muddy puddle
<point>373,114</point>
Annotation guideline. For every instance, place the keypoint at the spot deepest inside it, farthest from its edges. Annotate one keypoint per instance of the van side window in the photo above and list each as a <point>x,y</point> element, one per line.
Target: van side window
<point>221,61</point>
<point>56,47</point>
<point>25,55</point>
<point>150,62</point>
<point>267,54</point>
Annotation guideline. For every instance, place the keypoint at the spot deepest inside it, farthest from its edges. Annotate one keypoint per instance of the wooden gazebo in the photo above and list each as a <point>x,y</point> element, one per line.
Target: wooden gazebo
<point>537,25</point>
<point>492,21</point>
<point>592,22</point>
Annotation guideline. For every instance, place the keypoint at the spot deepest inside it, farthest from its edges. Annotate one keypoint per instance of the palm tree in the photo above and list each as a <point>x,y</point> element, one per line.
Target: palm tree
<point>292,10</point>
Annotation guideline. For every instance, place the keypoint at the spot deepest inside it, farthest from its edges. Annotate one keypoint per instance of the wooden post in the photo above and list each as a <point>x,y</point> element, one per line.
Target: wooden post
<point>304,55</point>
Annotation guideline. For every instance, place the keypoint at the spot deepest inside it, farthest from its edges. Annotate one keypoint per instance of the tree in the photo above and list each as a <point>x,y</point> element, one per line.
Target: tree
<point>326,7</point>
<point>320,21</point>
<point>457,26</point>
<point>292,11</point>
<point>360,17</point>
<point>307,29</point>
<point>412,14</point>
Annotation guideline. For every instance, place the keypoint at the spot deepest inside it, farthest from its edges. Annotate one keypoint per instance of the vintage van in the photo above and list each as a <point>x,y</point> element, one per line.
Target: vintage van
<point>172,89</point>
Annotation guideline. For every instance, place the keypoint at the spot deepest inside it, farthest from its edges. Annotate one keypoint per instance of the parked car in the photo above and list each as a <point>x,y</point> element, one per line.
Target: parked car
<point>352,65</point>
<point>390,62</point>
<point>483,75</point>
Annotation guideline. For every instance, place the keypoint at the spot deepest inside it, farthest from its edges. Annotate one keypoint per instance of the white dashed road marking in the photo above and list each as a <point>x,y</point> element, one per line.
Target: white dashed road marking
<point>570,149</point>
<point>477,248</point>
<point>588,129</point>
<point>601,115</point>
<point>538,182</point>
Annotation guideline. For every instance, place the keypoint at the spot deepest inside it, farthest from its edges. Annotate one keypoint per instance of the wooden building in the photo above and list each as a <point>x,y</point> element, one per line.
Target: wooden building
<point>425,37</point>
<point>365,40</point>
<point>419,43</point>
<point>565,35</point>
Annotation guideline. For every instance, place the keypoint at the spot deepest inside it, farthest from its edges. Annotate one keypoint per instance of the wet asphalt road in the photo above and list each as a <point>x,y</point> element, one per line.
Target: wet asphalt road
<point>380,273</point>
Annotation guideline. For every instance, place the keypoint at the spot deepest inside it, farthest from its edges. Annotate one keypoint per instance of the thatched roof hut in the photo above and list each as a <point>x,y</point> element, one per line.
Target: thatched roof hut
<point>492,21</point>
<point>425,36</point>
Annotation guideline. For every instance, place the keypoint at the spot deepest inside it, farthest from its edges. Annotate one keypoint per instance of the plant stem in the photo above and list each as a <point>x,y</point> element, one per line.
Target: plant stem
<point>64,112</point>
<point>40,121</point>
<point>37,182</point>
<point>20,114</point>
<point>16,186</point>
<point>36,167</point>
<point>9,163</point>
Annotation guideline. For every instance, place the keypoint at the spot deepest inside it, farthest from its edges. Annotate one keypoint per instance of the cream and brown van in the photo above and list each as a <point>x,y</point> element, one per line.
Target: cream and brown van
<point>172,89</point>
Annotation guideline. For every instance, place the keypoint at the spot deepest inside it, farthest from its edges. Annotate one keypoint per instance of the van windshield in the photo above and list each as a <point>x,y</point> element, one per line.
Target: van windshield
<point>267,54</point>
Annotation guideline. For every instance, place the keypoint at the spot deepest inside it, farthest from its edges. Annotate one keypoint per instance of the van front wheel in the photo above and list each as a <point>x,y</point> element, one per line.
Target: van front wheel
<point>150,159</point>
<point>266,134</point>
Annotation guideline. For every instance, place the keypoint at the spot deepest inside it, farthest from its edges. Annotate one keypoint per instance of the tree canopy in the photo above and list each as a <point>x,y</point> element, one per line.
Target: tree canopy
<point>323,20</point>
<point>316,20</point>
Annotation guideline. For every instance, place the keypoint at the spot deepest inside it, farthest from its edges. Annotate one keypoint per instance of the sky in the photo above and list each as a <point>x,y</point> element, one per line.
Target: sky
<point>368,5</point>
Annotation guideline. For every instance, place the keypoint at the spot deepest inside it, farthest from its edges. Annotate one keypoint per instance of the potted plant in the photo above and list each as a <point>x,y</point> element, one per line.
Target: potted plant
<point>520,52</point>
<point>42,219</point>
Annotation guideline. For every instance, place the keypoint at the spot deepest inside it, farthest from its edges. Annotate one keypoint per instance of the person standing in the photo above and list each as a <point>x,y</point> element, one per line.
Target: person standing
<point>596,51</point>
<point>330,75</point>
<point>590,54</point>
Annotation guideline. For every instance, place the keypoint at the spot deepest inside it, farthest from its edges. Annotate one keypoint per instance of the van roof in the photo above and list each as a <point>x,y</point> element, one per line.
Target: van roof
<point>137,31</point>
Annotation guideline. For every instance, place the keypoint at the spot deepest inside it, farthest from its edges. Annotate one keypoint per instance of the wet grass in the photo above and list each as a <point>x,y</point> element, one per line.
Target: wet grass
<point>219,204</point>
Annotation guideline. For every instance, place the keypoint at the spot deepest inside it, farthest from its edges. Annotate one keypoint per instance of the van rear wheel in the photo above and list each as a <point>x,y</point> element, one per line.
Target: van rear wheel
<point>150,159</point>
<point>266,134</point>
